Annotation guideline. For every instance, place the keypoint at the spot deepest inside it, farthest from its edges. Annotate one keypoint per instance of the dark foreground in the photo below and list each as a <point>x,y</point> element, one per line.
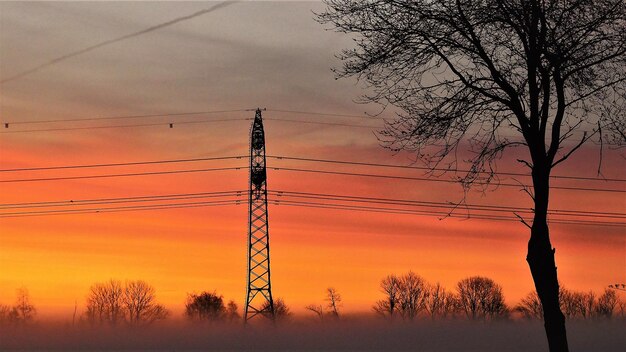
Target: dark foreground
<point>301,335</point>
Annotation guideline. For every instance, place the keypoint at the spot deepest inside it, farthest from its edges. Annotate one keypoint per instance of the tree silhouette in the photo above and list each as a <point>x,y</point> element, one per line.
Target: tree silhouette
<point>587,304</point>
<point>405,295</point>
<point>334,301</point>
<point>134,302</point>
<point>413,292</point>
<point>440,302</point>
<point>480,298</point>
<point>139,300</point>
<point>21,313</point>
<point>232,311</point>
<point>530,306</point>
<point>104,303</point>
<point>5,314</point>
<point>572,303</point>
<point>281,310</point>
<point>207,306</point>
<point>390,286</point>
<point>317,309</point>
<point>575,305</point>
<point>606,304</point>
<point>463,73</point>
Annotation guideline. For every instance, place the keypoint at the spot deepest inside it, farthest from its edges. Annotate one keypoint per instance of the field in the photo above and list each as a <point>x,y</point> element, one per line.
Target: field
<point>299,335</point>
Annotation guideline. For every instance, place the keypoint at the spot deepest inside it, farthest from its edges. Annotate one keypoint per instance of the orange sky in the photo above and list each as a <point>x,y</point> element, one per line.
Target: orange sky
<point>185,250</point>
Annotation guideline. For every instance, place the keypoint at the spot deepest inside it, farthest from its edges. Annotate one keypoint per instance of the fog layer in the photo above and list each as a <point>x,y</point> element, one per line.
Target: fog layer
<point>356,335</point>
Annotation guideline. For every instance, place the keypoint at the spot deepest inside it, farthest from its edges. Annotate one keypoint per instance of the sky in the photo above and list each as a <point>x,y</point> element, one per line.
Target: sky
<point>241,56</point>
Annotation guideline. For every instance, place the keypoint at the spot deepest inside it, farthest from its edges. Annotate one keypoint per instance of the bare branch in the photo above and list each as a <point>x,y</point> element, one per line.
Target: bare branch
<point>568,154</point>
<point>521,219</point>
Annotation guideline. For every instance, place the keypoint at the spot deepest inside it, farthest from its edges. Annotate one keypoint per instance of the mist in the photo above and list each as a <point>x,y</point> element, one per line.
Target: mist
<point>356,333</point>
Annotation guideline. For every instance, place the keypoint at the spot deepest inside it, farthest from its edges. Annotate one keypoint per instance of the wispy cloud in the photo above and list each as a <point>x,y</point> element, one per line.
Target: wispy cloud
<point>115,40</point>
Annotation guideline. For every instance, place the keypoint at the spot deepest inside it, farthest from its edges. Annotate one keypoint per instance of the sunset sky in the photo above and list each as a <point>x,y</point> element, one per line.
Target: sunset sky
<point>245,55</point>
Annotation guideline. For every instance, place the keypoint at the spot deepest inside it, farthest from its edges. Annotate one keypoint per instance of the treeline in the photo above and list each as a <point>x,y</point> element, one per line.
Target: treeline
<point>21,312</point>
<point>405,297</point>
<point>410,296</point>
<point>576,305</point>
<point>132,303</point>
<point>210,307</point>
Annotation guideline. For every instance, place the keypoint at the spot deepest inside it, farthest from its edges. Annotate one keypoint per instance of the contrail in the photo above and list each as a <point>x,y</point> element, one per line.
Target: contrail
<point>115,40</point>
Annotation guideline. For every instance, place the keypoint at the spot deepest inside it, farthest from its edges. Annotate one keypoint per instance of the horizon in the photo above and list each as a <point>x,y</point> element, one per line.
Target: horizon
<point>110,63</point>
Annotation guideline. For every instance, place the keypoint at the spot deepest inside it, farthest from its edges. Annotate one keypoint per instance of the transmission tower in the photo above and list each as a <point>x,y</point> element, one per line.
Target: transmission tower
<point>259,292</point>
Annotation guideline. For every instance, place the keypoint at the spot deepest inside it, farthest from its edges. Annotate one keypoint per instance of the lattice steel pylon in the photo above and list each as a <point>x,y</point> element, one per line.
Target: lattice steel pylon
<point>259,292</point>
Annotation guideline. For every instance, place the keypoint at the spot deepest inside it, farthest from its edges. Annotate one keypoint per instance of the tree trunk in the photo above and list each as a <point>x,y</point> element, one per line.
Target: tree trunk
<point>540,259</point>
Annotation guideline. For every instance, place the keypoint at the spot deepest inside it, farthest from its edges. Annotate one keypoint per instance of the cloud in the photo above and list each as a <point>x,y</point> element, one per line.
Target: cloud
<point>115,40</point>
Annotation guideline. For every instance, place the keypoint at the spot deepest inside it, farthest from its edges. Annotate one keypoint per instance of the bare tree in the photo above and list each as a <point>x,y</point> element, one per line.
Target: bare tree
<point>570,302</point>
<point>317,309</point>
<point>134,303</point>
<point>139,300</point>
<point>587,305</point>
<point>530,306</point>
<point>440,302</point>
<point>480,298</point>
<point>281,310</point>
<point>405,295</point>
<point>463,73</point>
<point>412,295</point>
<point>205,306</point>
<point>621,309</point>
<point>5,314</point>
<point>104,303</point>
<point>575,305</point>
<point>390,286</point>
<point>606,304</point>
<point>232,311</point>
<point>23,311</point>
<point>334,301</point>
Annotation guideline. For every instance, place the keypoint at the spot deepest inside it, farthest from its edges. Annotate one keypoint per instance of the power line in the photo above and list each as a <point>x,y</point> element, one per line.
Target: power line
<point>364,116</point>
<point>426,179</point>
<point>121,209</point>
<point>60,129</point>
<point>124,117</point>
<point>346,162</point>
<point>303,204</point>
<point>436,179</point>
<point>280,197</point>
<point>292,203</point>
<point>318,123</point>
<point>132,163</point>
<point>120,175</point>
<point>282,193</point>
<point>121,117</point>
<point>479,207</point>
<point>151,198</point>
<point>170,124</point>
<point>280,157</point>
<point>434,213</point>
